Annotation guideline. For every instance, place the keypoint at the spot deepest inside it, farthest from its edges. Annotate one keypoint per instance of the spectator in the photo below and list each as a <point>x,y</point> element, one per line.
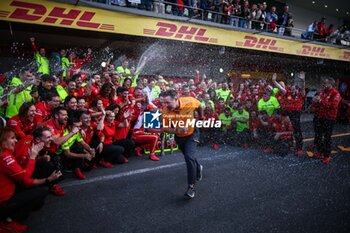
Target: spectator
<point>321,30</point>
<point>285,22</point>
<point>309,34</point>
<point>245,12</point>
<point>271,19</point>
<point>253,17</point>
<point>235,12</point>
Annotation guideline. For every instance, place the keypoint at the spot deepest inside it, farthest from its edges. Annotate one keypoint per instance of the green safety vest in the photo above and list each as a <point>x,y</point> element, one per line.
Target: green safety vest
<point>211,103</point>
<point>61,92</point>
<point>224,94</point>
<point>42,63</point>
<point>226,121</point>
<point>269,106</point>
<point>65,64</point>
<point>240,126</point>
<point>120,69</point>
<point>16,100</point>
<point>69,143</point>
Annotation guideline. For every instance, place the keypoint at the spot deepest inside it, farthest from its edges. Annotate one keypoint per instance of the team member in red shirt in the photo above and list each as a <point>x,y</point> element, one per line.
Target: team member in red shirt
<point>280,140</point>
<point>91,133</point>
<point>44,108</point>
<point>94,90</point>
<point>107,94</point>
<point>220,106</point>
<point>209,135</point>
<point>24,123</point>
<point>80,90</point>
<point>144,140</point>
<point>111,153</point>
<point>292,101</point>
<point>325,106</point>
<point>22,200</point>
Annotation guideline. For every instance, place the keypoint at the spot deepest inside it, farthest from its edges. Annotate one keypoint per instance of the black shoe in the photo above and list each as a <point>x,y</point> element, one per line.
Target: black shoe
<point>199,172</point>
<point>190,193</point>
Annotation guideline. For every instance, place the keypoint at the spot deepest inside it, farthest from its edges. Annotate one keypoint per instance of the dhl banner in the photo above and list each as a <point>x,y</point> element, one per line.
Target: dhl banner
<point>86,18</point>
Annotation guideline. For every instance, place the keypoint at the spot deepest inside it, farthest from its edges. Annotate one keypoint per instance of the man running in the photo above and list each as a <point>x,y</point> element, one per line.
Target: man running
<point>176,113</point>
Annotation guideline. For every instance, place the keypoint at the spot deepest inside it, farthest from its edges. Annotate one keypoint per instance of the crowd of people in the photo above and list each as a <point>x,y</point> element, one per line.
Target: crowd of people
<point>236,13</point>
<point>74,121</point>
<point>320,32</point>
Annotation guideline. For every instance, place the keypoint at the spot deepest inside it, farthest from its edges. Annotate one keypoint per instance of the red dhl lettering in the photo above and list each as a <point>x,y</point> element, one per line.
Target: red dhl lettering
<point>184,32</point>
<point>313,51</point>
<point>58,15</point>
<point>264,43</point>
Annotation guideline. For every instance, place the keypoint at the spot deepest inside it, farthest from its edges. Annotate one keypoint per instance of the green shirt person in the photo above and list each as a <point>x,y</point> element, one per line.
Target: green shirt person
<point>123,72</point>
<point>226,119</point>
<point>224,92</point>
<point>40,58</point>
<point>20,95</point>
<point>241,119</point>
<point>65,63</point>
<point>268,103</point>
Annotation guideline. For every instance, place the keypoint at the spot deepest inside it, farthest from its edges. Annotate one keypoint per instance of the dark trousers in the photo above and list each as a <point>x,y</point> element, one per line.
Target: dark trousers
<point>23,202</point>
<point>73,163</point>
<point>297,134</point>
<point>239,139</point>
<point>323,131</point>
<point>281,146</point>
<point>127,144</point>
<point>44,169</point>
<point>188,145</point>
<point>209,135</point>
<point>113,154</point>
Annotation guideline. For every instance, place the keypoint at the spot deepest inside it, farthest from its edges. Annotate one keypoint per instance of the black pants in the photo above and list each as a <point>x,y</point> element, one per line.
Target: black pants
<point>113,154</point>
<point>44,169</point>
<point>188,145</point>
<point>281,146</point>
<point>297,134</point>
<point>239,139</point>
<point>209,135</point>
<point>323,131</point>
<point>23,202</point>
<point>127,144</point>
<point>73,163</point>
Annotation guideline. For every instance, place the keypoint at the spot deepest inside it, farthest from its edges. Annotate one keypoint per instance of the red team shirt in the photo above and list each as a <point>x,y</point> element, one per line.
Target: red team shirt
<point>11,173</point>
<point>22,128</point>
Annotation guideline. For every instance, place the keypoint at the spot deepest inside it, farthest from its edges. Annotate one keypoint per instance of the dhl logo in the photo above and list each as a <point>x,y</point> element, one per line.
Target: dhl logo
<point>58,15</point>
<point>313,51</point>
<point>259,43</point>
<point>184,32</point>
<point>345,56</point>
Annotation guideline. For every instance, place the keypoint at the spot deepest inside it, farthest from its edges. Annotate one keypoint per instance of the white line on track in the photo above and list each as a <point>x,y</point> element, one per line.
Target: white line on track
<point>144,170</point>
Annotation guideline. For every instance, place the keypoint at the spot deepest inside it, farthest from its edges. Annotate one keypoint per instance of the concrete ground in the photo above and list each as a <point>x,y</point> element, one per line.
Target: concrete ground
<point>243,190</point>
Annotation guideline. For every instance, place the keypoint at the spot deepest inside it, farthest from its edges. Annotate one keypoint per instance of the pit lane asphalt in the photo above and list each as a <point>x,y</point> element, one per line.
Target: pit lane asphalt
<point>243,190</point>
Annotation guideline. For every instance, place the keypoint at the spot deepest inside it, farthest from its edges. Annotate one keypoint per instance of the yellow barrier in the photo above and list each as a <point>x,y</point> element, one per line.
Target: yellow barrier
<point>86,18</point>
